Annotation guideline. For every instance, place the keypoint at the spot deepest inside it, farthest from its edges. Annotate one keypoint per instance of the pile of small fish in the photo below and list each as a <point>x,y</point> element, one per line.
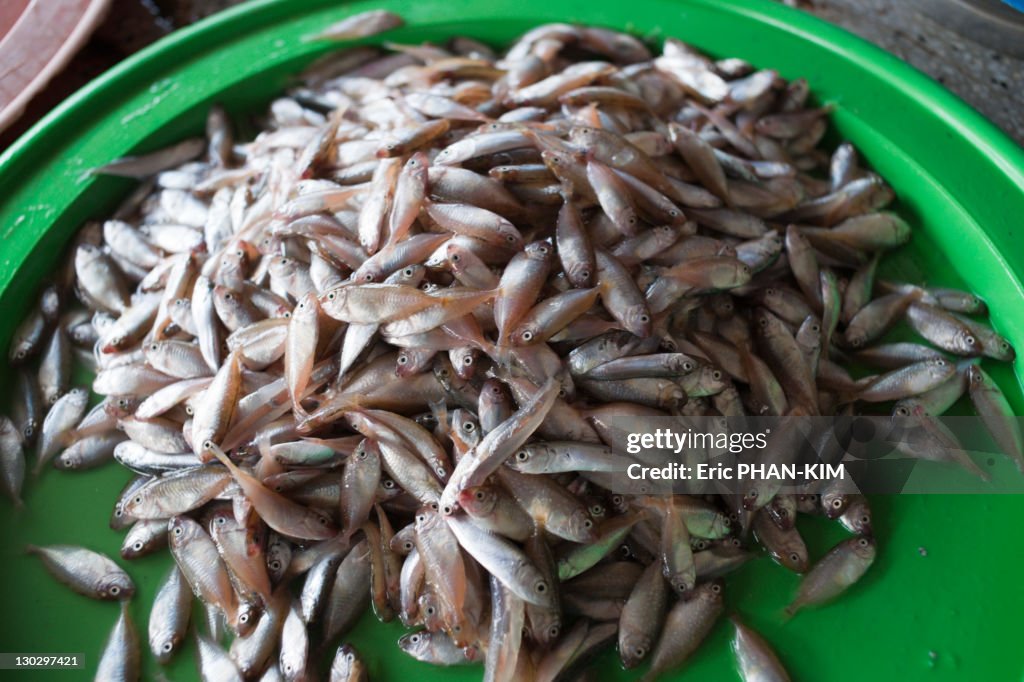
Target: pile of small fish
<point>370,357</point>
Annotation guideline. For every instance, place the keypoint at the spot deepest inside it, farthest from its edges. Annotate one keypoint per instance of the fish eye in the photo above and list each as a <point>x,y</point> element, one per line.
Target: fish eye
<point>510,239</point>
<point>596,510</point>
<point>527,335</point>
<point>402,360</point>
<point>467,360</point>
<point>585,274</point>
<point>137,546</point>
<point>20,354</point>
<point>178,531</point>
<point>522,455</point>
<point>331,296</point>
<point>208,445</point>
<point>430,610</point>
<point>228,296</point>
<point>441,472</point>
<point>408,545</point>
<point>752,494</point>
<point>137,500</point>
<point>865,519</point>
<point>687,366</point>
<point>221,520</point>
<point>644,319</point>
<point>554,631</point>
<point>969,340</point>
<point>902,411</point>
<point>863,542</point>
<point>407,272</point>
<point>541,587</point>
<point>275,565</point>
<point>447,509</point>
<point>188,410</point>
<point>837,503</point>
<point>716,375</point>
<point>469,427</point>
<point>322,520</point>
<point>640,652</point>
<point>114,590</point>
<point>794,557</point>
<point>167,647</point>
<point>588,524</point>
<point>389,484</point>
<point>716,588</point>
<point>421,518</point>
<point>479,495</point>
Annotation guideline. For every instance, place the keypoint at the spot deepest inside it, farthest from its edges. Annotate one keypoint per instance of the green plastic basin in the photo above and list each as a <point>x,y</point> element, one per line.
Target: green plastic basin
<point>944,599</point>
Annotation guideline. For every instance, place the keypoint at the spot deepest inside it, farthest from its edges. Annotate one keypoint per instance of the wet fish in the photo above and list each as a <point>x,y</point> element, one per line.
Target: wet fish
<point>834,573</point>
<point>85,571</point>
<point>423,295</point>
<point>756,659</point>
<point>120,660</point>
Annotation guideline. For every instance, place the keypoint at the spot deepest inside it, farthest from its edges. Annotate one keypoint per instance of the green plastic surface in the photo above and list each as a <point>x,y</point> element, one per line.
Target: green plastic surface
<point>951,612</point>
